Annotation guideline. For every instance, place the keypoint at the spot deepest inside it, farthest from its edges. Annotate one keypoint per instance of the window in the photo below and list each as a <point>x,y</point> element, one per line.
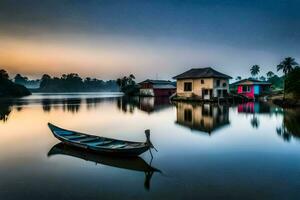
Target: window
<point>246,88</point>
<point>187,86</point>
<point>224,84</point>
<point>218,83</point>
<point>202,81</point>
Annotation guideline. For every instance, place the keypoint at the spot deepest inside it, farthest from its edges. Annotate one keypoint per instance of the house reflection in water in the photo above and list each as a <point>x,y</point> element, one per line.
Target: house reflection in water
<point>254,107</point>
<point>203,117</point>
<point>154,104</point>
<point>146,104</point>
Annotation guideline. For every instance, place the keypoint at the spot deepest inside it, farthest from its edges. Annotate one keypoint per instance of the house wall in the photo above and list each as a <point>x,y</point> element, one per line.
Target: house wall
<point>164,92</point>
<point>197,86</point>
<point>249,94</point>
<point>220,87</point>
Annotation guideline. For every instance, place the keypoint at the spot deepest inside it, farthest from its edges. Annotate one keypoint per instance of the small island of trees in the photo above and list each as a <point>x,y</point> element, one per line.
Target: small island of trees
<point>10,89</point>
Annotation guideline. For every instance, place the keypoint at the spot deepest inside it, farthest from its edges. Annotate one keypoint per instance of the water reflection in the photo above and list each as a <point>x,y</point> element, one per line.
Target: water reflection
<point>290,126</point>
<point>192,161</point>
<point>70,105</point>
<point>256,109</point>
<point>203,117</point>
<point>5,110</point>
<point>146,104</point>
<point>131,163</point>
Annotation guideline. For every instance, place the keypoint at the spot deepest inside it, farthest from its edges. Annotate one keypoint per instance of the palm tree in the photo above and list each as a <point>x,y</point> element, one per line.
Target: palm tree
<point>238,78</point>
<point>254,70</point>
<point>287,65</point>
<point>270,74</point>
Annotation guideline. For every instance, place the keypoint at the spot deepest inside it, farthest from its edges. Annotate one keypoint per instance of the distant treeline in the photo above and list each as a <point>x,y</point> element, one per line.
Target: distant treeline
<point>23,80</point>
<point>74,83</point>
<point>67,83</point>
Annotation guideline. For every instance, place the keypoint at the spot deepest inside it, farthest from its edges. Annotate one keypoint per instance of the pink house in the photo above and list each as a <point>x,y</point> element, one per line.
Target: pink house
<point>252,87</point>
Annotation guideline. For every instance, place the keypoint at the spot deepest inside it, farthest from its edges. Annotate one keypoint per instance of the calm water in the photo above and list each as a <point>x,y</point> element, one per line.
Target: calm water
<point>248,151</point>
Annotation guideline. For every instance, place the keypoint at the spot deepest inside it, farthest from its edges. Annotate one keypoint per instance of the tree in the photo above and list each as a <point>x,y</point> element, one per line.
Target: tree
<point>255,69</point>
<point>270,74</point>
<point>131,79</point>
<point>3,75</point>
<point>45,80</point>
<point>286,66</point>
<point>119,82</point>
<point>46,77</point>
<point>19,79</point>
<point>238,78</point>
<point>262,78</point>
<point>292,83</point>
<point>127,84</point>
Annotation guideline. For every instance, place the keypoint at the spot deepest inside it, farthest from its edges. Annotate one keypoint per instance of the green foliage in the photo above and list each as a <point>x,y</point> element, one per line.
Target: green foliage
<point>262,78</point>
<point>287,65</point>
<point>255,69</point>
<point>277,82</point>
<point>20,79</point>
<point>270,74</point>
<point>10,89</point>
<point>292,84</point>
<point>238,78</point>
<point>127,85</point>
<point>74,83</point>
<point>23,80</point>
<point>3,75</point>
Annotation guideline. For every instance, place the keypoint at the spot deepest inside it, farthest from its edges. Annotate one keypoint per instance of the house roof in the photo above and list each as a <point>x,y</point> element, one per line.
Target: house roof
<point>206,72</point>
<point>251,81</point>
<point>164,86</point>
<point>156,81</point>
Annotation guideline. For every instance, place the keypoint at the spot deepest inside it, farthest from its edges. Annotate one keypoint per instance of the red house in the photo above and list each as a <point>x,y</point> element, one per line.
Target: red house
<point>252,88</point>
<point>157,88</point>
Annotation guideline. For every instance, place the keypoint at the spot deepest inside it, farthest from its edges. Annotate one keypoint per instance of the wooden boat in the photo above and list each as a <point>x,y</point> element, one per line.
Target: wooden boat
<point>130,163</point>
<point>101,144</point>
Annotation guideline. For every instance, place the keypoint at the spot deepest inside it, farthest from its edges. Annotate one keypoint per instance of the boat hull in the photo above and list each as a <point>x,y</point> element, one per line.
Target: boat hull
<point>143,146</point>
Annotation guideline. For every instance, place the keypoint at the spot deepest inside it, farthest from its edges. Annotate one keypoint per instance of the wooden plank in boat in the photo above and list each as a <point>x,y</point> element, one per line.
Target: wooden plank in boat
<point>89,139</point>
<point>75,137</point>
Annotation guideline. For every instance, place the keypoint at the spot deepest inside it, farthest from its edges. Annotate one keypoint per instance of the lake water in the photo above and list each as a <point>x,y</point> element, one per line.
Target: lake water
<point>246,151</point>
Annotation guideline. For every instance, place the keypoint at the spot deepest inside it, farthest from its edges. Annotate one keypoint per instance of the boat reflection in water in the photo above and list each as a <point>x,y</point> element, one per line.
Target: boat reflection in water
<point>129,163</point>
<point>203,117</point>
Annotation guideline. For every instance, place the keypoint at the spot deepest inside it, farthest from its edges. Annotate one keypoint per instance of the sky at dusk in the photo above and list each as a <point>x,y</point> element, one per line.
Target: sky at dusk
<point>151,39</point>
